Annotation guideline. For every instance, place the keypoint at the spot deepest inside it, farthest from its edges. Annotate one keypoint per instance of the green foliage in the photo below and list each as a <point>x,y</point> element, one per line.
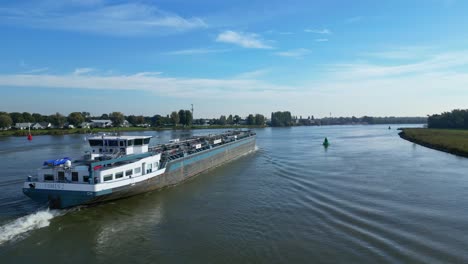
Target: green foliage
<point>175,118</point>
<point>250,120</point>
<point>457,119</point>
<point>5,121</point>
<point>281,119</point>
<point>38,117</point>
<point>188,118</point>
<point>259,120</point>
<point>222,120</point>
<point>57,120</point>
<point>27,117</point>
<point>117,118</point>
<point>237,119</point>
<point>182,117</point>
<point>75,119</point>
<point>230,120</point>
<point>17,117</point>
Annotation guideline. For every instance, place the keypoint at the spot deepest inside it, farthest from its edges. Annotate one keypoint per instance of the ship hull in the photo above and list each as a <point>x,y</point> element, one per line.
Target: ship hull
<point>177,171</point>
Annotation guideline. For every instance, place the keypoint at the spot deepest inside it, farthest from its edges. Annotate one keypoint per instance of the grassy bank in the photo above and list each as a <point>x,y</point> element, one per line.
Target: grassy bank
<point>113,129</point>
<point>447,140</point>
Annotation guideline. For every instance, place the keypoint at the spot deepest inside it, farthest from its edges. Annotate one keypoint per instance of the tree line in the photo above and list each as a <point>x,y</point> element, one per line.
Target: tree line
<point>175,118</point>
<point>456,119</point>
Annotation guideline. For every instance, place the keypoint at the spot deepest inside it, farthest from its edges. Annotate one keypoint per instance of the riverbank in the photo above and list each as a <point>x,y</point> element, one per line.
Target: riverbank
<point>37,132</point>
<point>447,140</point>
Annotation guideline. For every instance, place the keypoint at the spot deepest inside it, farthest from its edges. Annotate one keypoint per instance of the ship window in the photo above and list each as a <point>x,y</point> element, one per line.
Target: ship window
<point>61,175</point>
<point>138,142</point>
<point>121,143</point>
<point>155,165</point>
<point>146,141</point>
<point>129,173</point>
<point>108,177</point>
<point>113,143</point>
<point>119,175</point>
<point>74,176</point>
<point>93,143</point>
<point>130,142</point>
<point>85,178</point>
<point>137,170</point>
<point>48,177</point>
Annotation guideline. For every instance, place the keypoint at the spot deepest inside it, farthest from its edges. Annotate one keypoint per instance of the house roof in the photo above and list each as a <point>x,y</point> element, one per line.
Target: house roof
<point>23,124</point>
<point>101,121</point>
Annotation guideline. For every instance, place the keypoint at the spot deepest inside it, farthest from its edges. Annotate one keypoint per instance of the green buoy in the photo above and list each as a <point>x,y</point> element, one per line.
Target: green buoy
<point>325,143</point>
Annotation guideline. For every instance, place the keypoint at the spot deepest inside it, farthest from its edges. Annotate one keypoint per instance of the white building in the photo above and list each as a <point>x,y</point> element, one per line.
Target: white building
<point>22,125</point>
<point>101,123</point>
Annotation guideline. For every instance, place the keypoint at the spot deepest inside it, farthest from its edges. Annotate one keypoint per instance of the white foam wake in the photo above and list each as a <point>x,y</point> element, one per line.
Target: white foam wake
<point>19,227</point>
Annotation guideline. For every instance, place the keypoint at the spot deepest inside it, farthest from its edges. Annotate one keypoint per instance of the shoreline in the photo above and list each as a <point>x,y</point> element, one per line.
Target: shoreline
<point>444,140</point>
<point>84,131</point>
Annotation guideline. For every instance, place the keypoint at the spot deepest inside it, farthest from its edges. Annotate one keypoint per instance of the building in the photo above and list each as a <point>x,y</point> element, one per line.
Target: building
<point>101,123</point>
<point>85,125</point>
<point>22,126</point>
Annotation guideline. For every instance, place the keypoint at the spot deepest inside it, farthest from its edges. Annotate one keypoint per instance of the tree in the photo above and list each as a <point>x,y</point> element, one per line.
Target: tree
<point>104,116</point>
<point>175,118</point>
<point>157,121</point>
<point>132,119</point>
<point>237,119</point>
<point>140,120</point>
<point>86,116</point>
<point>182,117</point>
<point>38,117</point>
<point>117,118</point>
<point>17,117</point>
<point>57,119</point>
<point>27,117</point>
<point>188,117</point>
<point>259,120</point>
<point>75,119</point>
<point>5,121</point>
<point>250,120</point>
<point>229,120</point>
<point>222,120</point>
<point>281,119</point>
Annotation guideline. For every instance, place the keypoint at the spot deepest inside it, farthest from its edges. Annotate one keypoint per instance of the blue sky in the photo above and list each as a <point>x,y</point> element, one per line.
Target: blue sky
<point>380,58</point>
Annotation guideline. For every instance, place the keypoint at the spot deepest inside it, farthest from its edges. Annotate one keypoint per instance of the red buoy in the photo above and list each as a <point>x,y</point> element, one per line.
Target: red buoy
<point>29,137</point>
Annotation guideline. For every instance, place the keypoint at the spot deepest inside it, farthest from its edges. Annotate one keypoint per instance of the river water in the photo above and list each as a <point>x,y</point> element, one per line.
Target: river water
<point>371,197</point>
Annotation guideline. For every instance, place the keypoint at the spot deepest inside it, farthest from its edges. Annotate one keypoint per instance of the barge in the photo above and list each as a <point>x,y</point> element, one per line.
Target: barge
<point>123,166</point>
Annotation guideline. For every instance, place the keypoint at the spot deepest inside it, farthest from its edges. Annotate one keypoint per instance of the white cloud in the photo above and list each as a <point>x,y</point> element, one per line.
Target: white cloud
<point>318,31</point>
<point>246,40</point>
<point>437,62</point>
<point>80,71</point>
<point>195,51</point>
<point>117,19</point>
<point>152,82</point>
<point>321,40</point>
<point>296,53</point>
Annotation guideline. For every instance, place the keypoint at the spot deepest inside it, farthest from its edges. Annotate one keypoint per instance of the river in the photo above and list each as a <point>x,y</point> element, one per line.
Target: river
<point>371,197</point>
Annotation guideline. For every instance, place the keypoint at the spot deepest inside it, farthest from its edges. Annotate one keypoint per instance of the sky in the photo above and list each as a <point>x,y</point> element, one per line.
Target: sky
<point>320,58</point>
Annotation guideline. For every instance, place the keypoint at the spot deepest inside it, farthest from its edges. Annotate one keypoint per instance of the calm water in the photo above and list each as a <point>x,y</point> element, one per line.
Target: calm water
<point>370,198</point>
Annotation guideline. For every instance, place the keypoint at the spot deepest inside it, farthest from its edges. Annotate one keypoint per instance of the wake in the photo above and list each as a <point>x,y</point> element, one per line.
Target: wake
<point>19,227</point>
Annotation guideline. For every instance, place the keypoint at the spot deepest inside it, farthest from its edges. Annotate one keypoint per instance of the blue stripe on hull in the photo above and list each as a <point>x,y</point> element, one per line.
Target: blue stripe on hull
<point>62,199</point>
